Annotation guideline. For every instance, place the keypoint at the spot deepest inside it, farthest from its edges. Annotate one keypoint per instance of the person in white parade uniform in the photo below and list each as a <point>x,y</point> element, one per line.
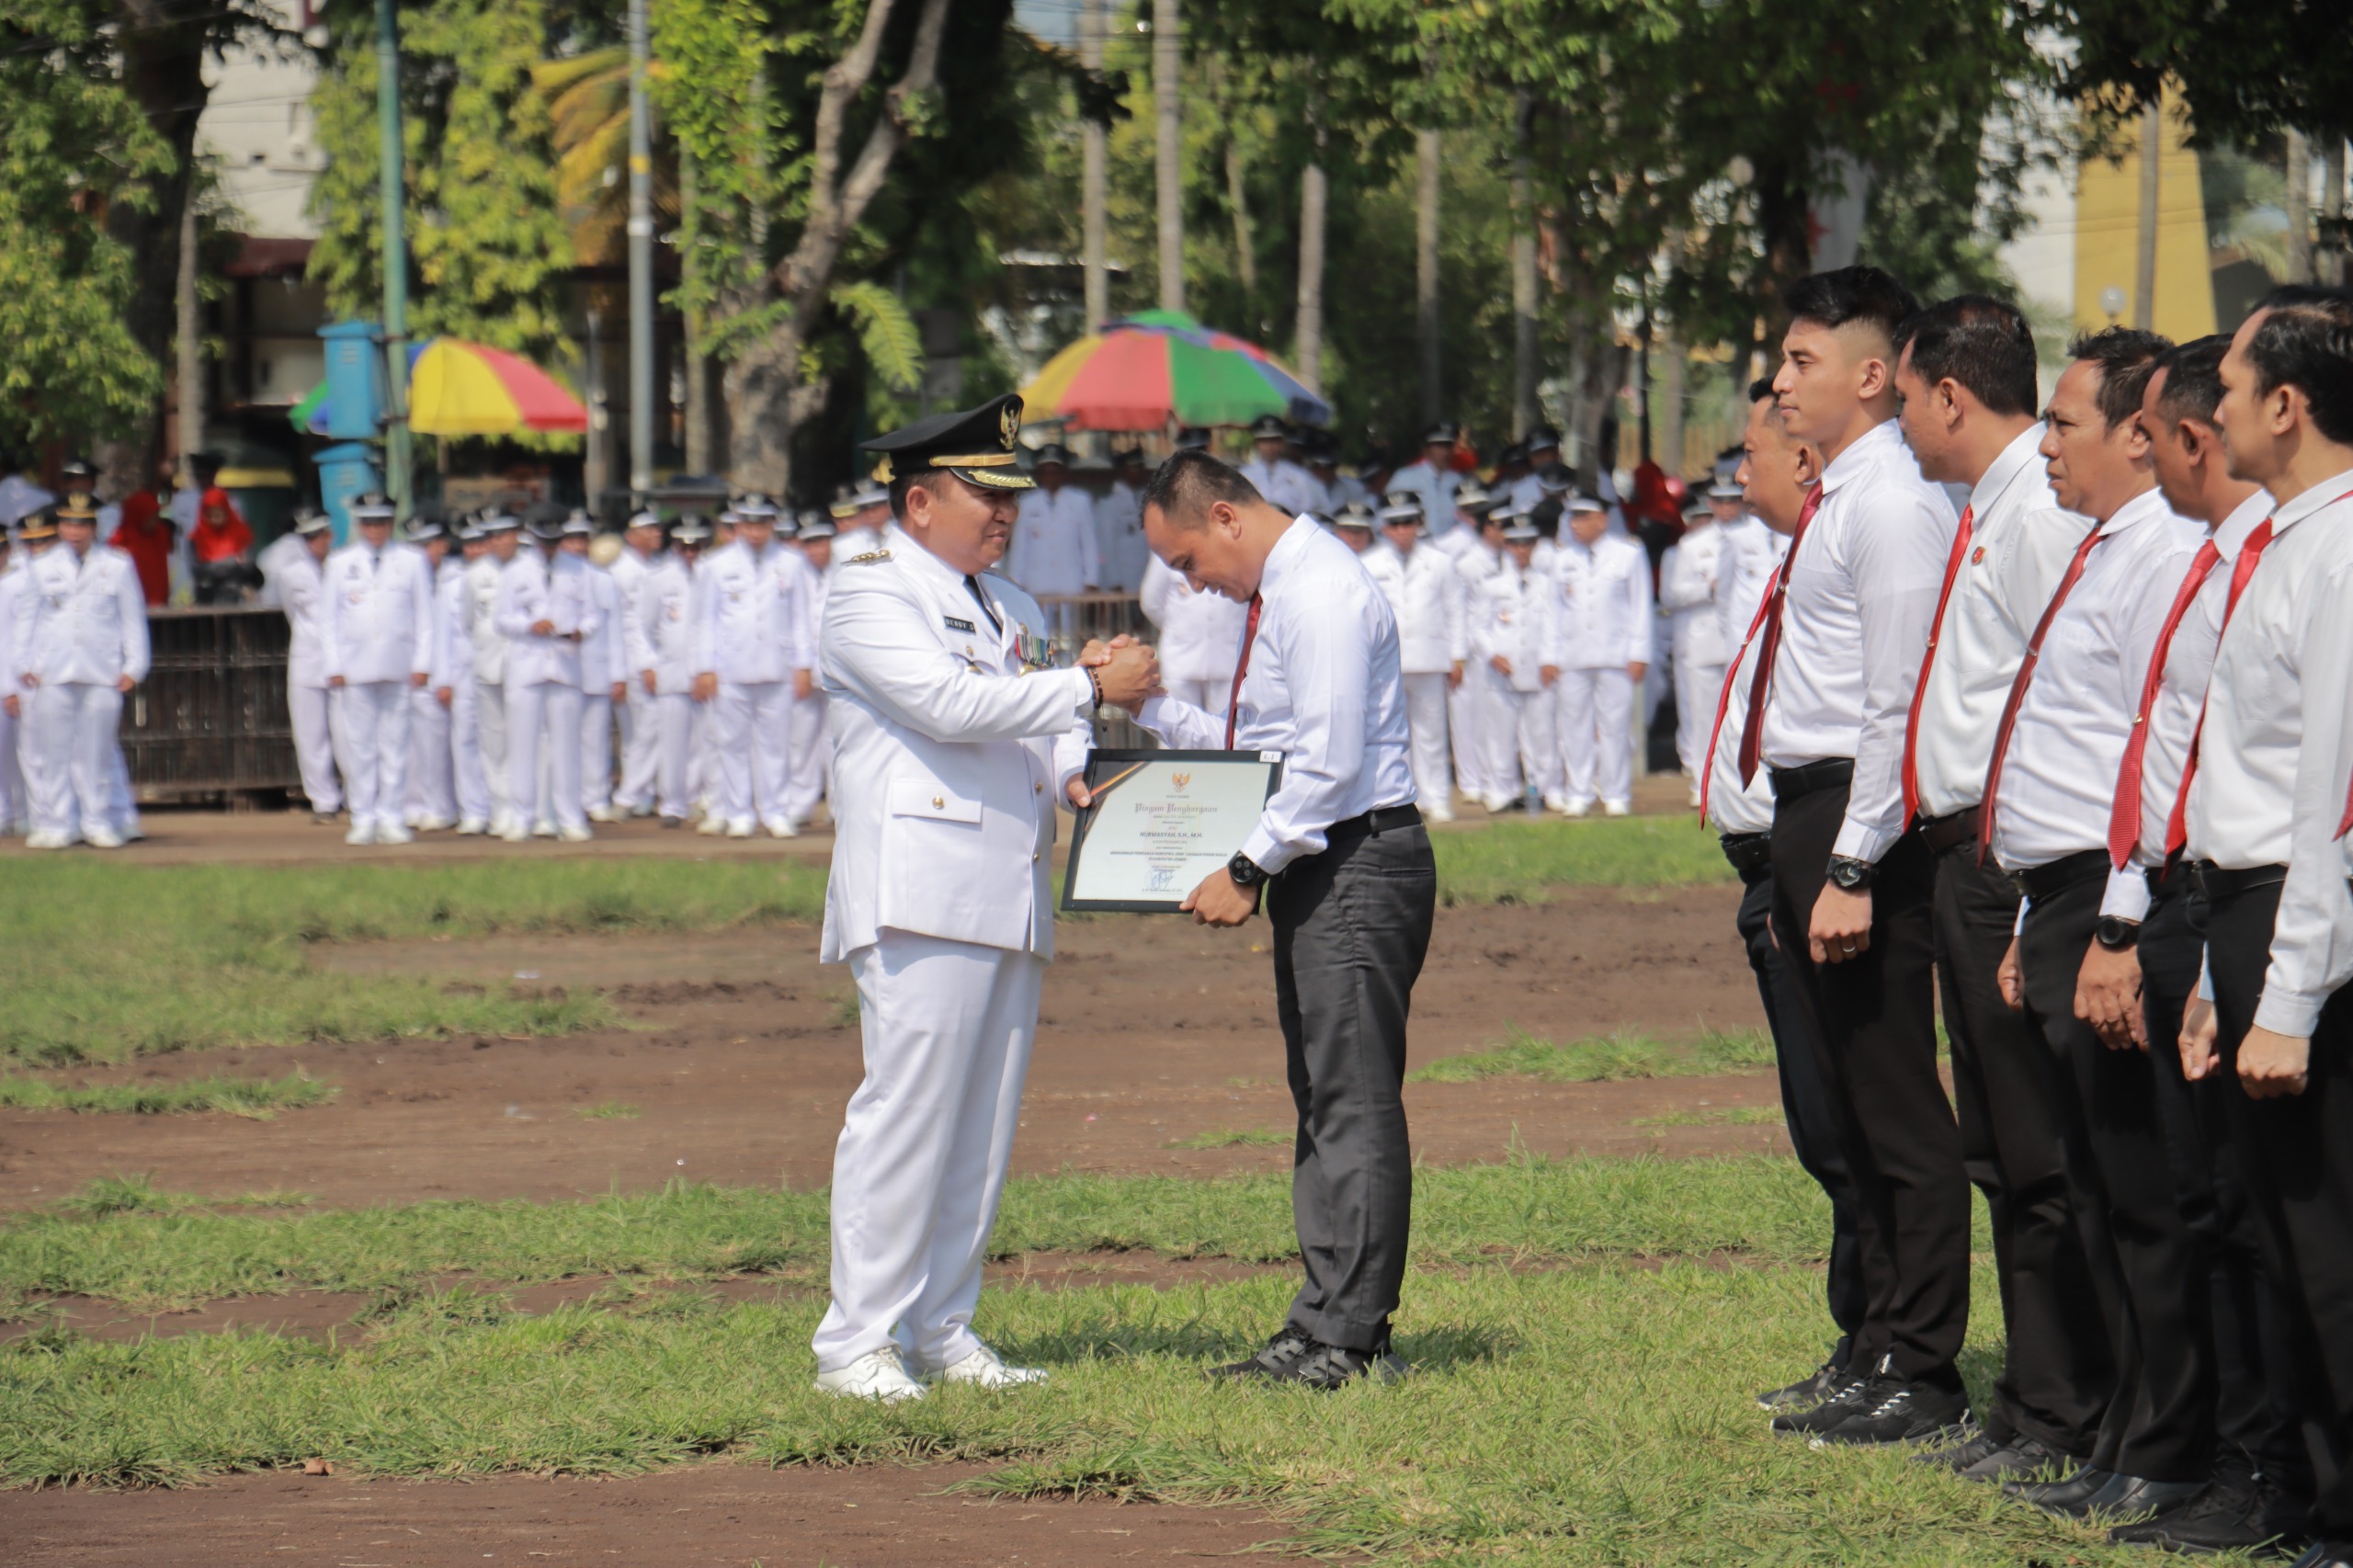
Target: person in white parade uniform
<point>432,801</point>
<point>1476,548</point>
<point>547,609</point>
<point>1283,483</point>
<point>812,748</point>
<point>1605,626</point>
<point>1751,552</point>
<point>1510,614</point>
<point>1120,550</point>
<point>14,806</point>
<point>1053,539</point>
<point>670,641</point>
<point>376,625</point>
<point>300,577</point>
<point>641,732</point>
<point>1200,637</point>
<point>1543,453</point>
<point>860,513</point>
<point>501,536</point>
<point>1690,583</point>
<point>604,675</point>
<point>453,680</point>
<point>758,625</point>
<point>953,741</point>
<point>1424,593</point>
<point>81,643</point>
<point>1433,479</point>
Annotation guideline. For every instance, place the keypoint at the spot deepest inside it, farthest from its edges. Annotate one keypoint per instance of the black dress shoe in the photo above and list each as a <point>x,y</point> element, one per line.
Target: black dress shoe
<point>1806,1392</point>
<point>1844,1401</point>
<point>2232,1513</point>
<point>1284,1350</point>
<point>2327,1554</point>
<point>1896,1413</point>
<point>2021,1459</point>
<point>2136,1498</point>
<point>2062,1495</point>
<point>1334,1366</point>
<point>1958,1457</point>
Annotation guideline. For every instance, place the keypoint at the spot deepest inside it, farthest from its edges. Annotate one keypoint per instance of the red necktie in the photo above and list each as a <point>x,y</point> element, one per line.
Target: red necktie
<point>1249,638</point>
<point>1927,659</point>
<point>2124,820</point>
<point>1723,700</point>
<point>2019,685</point>
<point>2242,570</point>
<point>1752,738</point>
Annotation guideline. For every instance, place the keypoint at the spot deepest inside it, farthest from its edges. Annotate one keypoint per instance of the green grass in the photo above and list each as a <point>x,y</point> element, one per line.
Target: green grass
<point>1600,1061</point>
<point>1520,863</point>
<point>138,1195</point>
<point>259,1098</point>
<point>609,1110</point>
<point>1237,1138</point>
<point>1722,1116</point>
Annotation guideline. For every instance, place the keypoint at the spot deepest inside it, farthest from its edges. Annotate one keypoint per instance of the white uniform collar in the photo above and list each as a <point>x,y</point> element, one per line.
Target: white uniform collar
<point>1869,450</point>
<point>2330,489</point>
<point>2148,504</point>
<point>2009,463</point>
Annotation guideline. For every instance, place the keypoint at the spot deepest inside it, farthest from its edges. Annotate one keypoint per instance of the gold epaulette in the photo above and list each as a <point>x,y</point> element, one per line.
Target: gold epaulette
<point>870,555</point>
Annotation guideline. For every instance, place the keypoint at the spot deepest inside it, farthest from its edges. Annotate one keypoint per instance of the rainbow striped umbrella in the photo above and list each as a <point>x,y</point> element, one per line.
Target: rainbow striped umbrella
<point>456,387</point>
<point>1145,371</point>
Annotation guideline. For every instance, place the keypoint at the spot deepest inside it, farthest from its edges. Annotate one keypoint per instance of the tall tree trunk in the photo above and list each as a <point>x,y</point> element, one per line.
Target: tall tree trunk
<point>1779,190</point>
<point>2145,272</point>
<point>161,45</point>
<point>1309,325</point>
<point>1523,278</point>
<point>2299,173</point>
<point>2330,264</point>
<point>190,345</point>
<point>1426,196</point>
<point>1167,65</point>
<point>1093,139</point>
<point>699,456</point>
<point>1669,411</point>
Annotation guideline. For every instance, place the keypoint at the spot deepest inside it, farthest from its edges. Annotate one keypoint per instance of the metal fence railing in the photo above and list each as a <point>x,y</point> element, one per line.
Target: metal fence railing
<point>1080,618</point>
<point>210,718</point>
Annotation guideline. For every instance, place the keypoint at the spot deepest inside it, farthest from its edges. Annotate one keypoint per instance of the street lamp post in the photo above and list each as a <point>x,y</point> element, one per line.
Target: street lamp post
<point>641,264</point>
<point>397,478</point>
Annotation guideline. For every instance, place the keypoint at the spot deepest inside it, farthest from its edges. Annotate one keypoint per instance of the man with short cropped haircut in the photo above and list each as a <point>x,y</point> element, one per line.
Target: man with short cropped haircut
<point>1967,382</point>
<point>1841,645</point>
<point>2266,796</point>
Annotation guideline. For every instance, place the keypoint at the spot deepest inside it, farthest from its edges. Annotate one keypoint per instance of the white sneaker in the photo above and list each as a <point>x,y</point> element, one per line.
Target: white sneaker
<point>780,828</point>
<point>48,838</point>
<point>516,834</point>
<point>1556,802</point>
<point>603,815</point>
<point>1617,809</point>
<point>1694,797</point>
<point>985,1369</point>
<point>543,830</point>
<point>361,833</point>
<point>1576,808</point>
<point>740,829</point>
<point>433,824</point>
<point>393,833</point>
<point>572,832</point>
<point>712,826</point>
<point>1440,813</point>
<point>473,827</point>
<point>102,838</point>
<point>132,832</point>
<point>876,1375</point>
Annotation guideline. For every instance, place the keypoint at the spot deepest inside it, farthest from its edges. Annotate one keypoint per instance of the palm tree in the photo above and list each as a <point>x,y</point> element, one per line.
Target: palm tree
<point>589,102</point>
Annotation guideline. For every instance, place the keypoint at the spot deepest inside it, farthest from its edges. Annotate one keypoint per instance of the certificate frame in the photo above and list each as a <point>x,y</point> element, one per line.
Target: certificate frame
<point>1104,766</point>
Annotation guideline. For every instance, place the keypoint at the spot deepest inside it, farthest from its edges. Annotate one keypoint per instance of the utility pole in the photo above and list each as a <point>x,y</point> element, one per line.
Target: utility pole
<point>388,193</point>
<point>1168,64</point>
<point>191,346</point>
<point>2298,204</point>
<point>1090,193</point>
<point>2145,287</point>
<point>1426,194</point>
<point>1523,276</point>
<point>640,265</point>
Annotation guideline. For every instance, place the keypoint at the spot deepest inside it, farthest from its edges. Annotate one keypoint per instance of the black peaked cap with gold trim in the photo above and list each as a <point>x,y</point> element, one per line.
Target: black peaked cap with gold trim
<point>980,445</point>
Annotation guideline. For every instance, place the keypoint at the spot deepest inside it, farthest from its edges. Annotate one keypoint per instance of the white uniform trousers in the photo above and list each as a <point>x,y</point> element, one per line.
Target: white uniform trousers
<point>754,729</point>
<point>1209,696</point>
<point>317,746</point>
<point>375,733</point>
<point>813,758</point>
<point>490,737</point>
<point>641,748</point>
<point>544,714</point>
<point>596,749</point>
<point>678,722</point>
<point>1597,734</point>
<point>1515,734</point>
<point>432,787</point>
<point>1696,688</point>
<point>69,755</point>
<point>14,808</point>
<point>468,778</point>
<point>946,1029</point>
<point>1425,722</point>
<point>1464,708</point>
<point>122,807</point>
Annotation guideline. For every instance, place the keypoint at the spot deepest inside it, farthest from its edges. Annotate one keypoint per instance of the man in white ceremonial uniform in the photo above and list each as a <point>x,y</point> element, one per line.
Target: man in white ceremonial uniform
<point>1200,636</point>
<point>1283,483</point>
<point>502,534</point>
<point>1543,452</point>
<point>860,513</point>
<point>81,643</point>
<point>670,641</point>
<point>1053,541</point>
<point>954,740</point>
<point>1120,550</point>
<point>547,609</point>
<point>1475,547</point>
<point>432,801</point>
<point>453,680</point>
<point>14,806</point>
<point>604,675</point>
<point>759,626</point>
<point>812,745</point>
<point>1425,595</point>
<point>1432,478</point>
<point>1604,625</point>
<point>376,630</point>
<point>641,732</point>
<point>1751,555</point>
<point>1510,617</point>
<point>1690,584</point>
<point>300,577</point>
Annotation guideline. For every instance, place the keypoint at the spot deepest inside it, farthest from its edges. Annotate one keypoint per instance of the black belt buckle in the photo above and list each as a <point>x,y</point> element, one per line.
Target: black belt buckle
<point>1748,851</point>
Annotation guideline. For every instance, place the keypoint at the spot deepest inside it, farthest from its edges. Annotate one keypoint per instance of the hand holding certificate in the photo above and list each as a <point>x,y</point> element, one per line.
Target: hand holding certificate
<point>1158,822</point>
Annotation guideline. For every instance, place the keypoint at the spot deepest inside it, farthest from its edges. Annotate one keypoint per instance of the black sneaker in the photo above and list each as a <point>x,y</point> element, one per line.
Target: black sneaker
<point>1806,1392</point>
<point>1335,1366</point>
<point>1844,1401</point>
<point>1894,1412</point>
<point>2235,1512</point>
<point>2020,1457</point>
<point>1282,1352</point>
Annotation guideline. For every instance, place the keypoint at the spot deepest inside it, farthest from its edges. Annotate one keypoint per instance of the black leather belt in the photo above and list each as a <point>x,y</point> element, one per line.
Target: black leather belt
<point>1830,772</point>
<point>2041,881</point>
<point>2208,881</point>
<point>1388,819</point>
<point>1944,832</point>
<point>1748,851</point>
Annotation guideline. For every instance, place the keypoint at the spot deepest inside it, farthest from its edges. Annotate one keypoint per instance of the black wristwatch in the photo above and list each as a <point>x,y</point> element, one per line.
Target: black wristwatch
<point>2117,935</point>
<point>1850,874</point>
<point>1245,872</point>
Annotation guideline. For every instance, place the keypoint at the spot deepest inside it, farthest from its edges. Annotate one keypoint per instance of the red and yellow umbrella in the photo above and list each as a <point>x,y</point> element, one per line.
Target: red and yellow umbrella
<point>457,388</point>
<point>1141,372</point>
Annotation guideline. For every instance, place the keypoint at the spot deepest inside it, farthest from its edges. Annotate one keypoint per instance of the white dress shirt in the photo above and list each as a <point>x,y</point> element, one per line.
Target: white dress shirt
<point>1119,548</point>
<point>81,619</point>
<point>1436,487</point>
<point>2269,788</point>
<point>1424,593</point>
<point>1603,615</point>
<point>2058,784</point>
<point>1853,626</point>
<point>1750,555</point>
<point>1201,634</point>
<point>376,623</point>
<point>1053,542</point>
<point>1285,485</point>
<point>756,617</point>
<point>1732,806</point>
<point>1322,688</point>
<point>1689,578</point>
<point>2019,543</point>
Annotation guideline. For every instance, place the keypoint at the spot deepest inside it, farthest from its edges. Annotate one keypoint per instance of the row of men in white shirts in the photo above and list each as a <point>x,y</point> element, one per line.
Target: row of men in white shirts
<point>483,691</point>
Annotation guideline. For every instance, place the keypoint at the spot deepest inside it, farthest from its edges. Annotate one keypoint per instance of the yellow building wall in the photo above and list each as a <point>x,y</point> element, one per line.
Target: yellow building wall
<point>2107,230</point>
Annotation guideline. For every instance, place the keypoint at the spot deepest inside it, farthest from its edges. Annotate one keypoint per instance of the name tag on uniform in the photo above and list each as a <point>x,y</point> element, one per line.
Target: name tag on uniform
<point>956,625</point>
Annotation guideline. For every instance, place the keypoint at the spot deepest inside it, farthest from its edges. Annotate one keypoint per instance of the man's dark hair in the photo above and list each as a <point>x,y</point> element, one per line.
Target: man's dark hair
<point>1979,343</point>
<point>1759,390</point>
<point>2127,358</point>
<point>2306,342</point>
<point>1863,294</point>
<point>2193,387</point>
<point>1190,483</point>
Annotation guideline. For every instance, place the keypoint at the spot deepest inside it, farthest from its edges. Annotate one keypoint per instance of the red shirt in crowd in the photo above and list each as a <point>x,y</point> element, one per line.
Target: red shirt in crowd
<point>145,536</point>
<point>220,533</point>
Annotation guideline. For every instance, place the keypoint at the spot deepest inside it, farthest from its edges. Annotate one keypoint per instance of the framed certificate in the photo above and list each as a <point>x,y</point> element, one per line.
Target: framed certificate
<point>1166,820</point>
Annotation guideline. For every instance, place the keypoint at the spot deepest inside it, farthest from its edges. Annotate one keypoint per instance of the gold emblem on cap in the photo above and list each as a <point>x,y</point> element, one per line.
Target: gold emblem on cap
<point>1008,422</point>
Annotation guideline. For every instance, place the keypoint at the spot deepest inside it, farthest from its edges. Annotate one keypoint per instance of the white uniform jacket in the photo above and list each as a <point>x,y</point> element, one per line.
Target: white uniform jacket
<point>453,653</point>
<point>479,617</point>
<point>1511,614</point>
<point>1053,542</point>
<point>630,572</point>
<point>949,753</point>
<point>1688,580</point>
<point>533,589</point>
<point>375,614</point>
<point>1287,486</point>
<point>1120,550</point>
<point>1201,634</point>
<point>755,614</point>
<point>672,641</point>
<point>81,619</point>
<point>1436,488</point>
<point>1604,617</point>
<point>1426,594</point>
<point>12,587</point>
<point>601,663</point>
<point>302,594</point>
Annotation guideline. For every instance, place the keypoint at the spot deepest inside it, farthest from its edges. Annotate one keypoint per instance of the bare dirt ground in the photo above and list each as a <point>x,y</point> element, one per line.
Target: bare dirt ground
<point>866,1517</point>
<point>742,1051</point>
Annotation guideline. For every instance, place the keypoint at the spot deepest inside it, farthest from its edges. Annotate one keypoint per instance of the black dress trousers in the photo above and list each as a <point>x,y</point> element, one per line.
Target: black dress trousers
<point>1876,1019</point>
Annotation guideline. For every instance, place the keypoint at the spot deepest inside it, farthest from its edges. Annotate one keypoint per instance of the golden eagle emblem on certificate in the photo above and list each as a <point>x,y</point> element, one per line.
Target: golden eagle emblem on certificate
<point>1160,822</point>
